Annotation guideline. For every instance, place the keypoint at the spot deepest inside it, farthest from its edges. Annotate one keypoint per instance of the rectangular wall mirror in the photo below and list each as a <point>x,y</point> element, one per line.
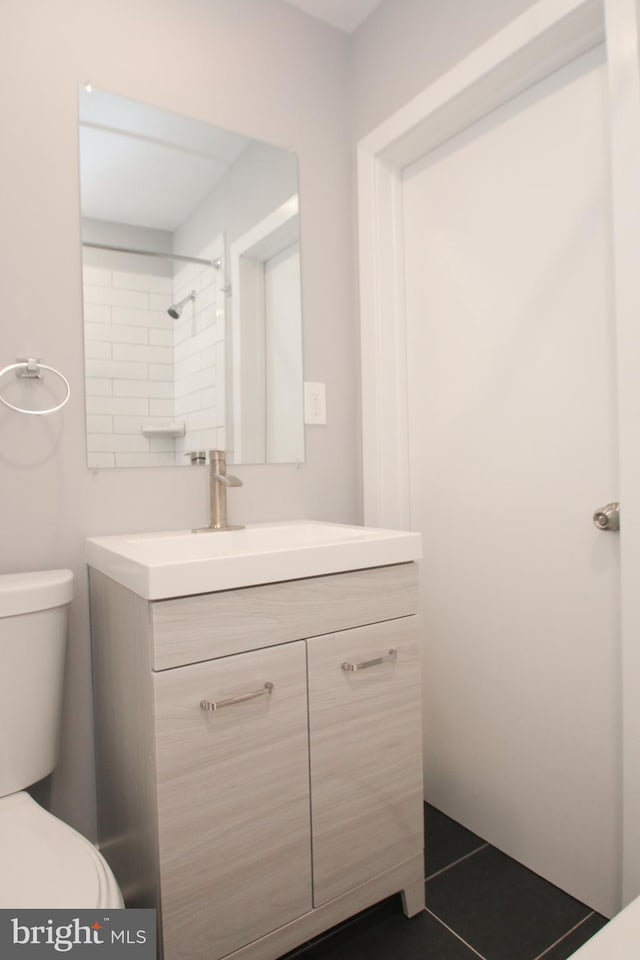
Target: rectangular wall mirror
<point>191,289</point>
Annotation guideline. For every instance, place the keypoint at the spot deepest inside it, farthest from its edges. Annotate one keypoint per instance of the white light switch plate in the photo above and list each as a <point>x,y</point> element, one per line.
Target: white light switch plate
<point>315,403</point>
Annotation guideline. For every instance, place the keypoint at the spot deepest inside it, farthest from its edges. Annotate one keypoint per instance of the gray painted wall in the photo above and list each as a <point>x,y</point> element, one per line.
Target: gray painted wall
<point>406,44</point>
<point>256,66</point>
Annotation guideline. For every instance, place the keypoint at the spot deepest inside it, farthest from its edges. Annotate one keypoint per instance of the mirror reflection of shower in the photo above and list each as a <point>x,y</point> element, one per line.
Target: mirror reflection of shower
<point>175,310</point>
<point>177,356</point>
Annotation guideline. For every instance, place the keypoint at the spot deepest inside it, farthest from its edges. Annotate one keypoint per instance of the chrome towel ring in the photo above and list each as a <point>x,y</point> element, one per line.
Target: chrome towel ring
<point>31,369</point>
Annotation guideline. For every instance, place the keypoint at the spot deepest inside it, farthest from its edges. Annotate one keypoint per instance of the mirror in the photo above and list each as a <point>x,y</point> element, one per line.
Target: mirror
<point>191,289</point>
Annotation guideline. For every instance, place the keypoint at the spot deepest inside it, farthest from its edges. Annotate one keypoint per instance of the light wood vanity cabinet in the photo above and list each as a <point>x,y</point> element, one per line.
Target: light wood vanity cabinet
<point>364,737</point>
<point>295,803</point>
<point>233,799</point>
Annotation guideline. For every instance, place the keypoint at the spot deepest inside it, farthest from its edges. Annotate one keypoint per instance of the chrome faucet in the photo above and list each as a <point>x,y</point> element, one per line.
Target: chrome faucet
<point>220,480</point>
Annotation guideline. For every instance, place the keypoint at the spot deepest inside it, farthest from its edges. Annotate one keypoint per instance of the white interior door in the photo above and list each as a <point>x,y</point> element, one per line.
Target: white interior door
<point>283,357</point>
<point>513,446</point>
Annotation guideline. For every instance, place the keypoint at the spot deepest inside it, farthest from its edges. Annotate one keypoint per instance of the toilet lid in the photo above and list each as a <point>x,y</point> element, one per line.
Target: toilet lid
<point>45,863</point>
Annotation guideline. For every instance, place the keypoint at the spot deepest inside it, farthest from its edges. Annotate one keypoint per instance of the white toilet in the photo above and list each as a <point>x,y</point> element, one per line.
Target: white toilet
<point>44,862</point>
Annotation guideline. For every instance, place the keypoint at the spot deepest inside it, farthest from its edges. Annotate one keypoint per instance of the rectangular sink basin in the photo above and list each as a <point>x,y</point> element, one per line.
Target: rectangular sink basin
<point>180,563</point>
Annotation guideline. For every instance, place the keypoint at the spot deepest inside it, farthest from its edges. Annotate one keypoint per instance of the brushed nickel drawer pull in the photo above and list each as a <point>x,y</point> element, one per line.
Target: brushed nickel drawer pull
<point>241,698</point>
<point>364,664</point>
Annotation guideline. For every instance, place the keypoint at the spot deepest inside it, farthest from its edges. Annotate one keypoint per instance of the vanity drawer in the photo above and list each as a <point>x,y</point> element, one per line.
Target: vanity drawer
<point>192,629</point>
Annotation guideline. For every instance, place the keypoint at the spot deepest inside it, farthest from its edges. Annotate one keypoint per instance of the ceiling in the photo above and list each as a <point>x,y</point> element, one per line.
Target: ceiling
<point>145,166</point>
<point>344,14</point>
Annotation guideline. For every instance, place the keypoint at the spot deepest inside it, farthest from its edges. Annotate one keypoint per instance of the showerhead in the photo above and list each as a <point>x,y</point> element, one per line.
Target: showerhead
<point>176,308</point>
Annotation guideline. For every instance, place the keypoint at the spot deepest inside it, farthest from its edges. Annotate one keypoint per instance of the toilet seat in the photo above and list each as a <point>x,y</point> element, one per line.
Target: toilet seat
<point>47,864</point>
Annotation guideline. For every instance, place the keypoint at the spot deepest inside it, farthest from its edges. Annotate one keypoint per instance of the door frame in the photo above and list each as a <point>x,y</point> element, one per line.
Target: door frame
<point>546,37</point>
<point>248,255</point>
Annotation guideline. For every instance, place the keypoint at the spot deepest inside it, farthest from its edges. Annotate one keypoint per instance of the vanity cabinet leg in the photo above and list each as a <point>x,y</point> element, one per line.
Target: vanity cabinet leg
<point>413,900</point>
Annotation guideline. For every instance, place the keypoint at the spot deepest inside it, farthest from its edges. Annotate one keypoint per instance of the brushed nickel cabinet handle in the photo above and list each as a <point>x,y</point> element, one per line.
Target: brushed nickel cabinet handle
<point>240,698</point>
<point>365,664</point>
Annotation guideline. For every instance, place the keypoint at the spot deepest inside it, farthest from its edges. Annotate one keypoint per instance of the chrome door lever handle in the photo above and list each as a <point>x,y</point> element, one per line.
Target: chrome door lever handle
<point>608,517</point>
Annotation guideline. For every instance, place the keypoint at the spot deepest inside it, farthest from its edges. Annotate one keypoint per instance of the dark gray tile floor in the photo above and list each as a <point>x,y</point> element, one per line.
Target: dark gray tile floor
<point>480,904</point>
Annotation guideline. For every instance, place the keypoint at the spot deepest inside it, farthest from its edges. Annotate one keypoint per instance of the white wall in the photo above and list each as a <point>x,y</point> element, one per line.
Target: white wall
<point>257,66</point>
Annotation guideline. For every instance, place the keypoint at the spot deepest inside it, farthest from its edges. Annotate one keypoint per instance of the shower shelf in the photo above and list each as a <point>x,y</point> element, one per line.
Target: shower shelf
<point>174,428</point>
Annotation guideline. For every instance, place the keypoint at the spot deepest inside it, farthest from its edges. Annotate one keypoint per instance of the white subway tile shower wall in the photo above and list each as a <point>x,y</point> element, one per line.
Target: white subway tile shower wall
<point>143,367</point>
<point>199,354</point>
<point>123,315</point>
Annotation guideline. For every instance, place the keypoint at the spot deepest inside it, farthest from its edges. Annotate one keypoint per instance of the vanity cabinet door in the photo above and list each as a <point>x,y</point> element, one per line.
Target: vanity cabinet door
<point>365,753</point>
<point>233,800</point>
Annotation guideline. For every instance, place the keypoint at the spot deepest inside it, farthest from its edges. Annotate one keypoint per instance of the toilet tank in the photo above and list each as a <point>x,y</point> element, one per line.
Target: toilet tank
<point>33,633</point>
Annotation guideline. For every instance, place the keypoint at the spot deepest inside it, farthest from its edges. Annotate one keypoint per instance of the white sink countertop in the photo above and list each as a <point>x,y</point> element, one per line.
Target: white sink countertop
<point>181,563</point>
